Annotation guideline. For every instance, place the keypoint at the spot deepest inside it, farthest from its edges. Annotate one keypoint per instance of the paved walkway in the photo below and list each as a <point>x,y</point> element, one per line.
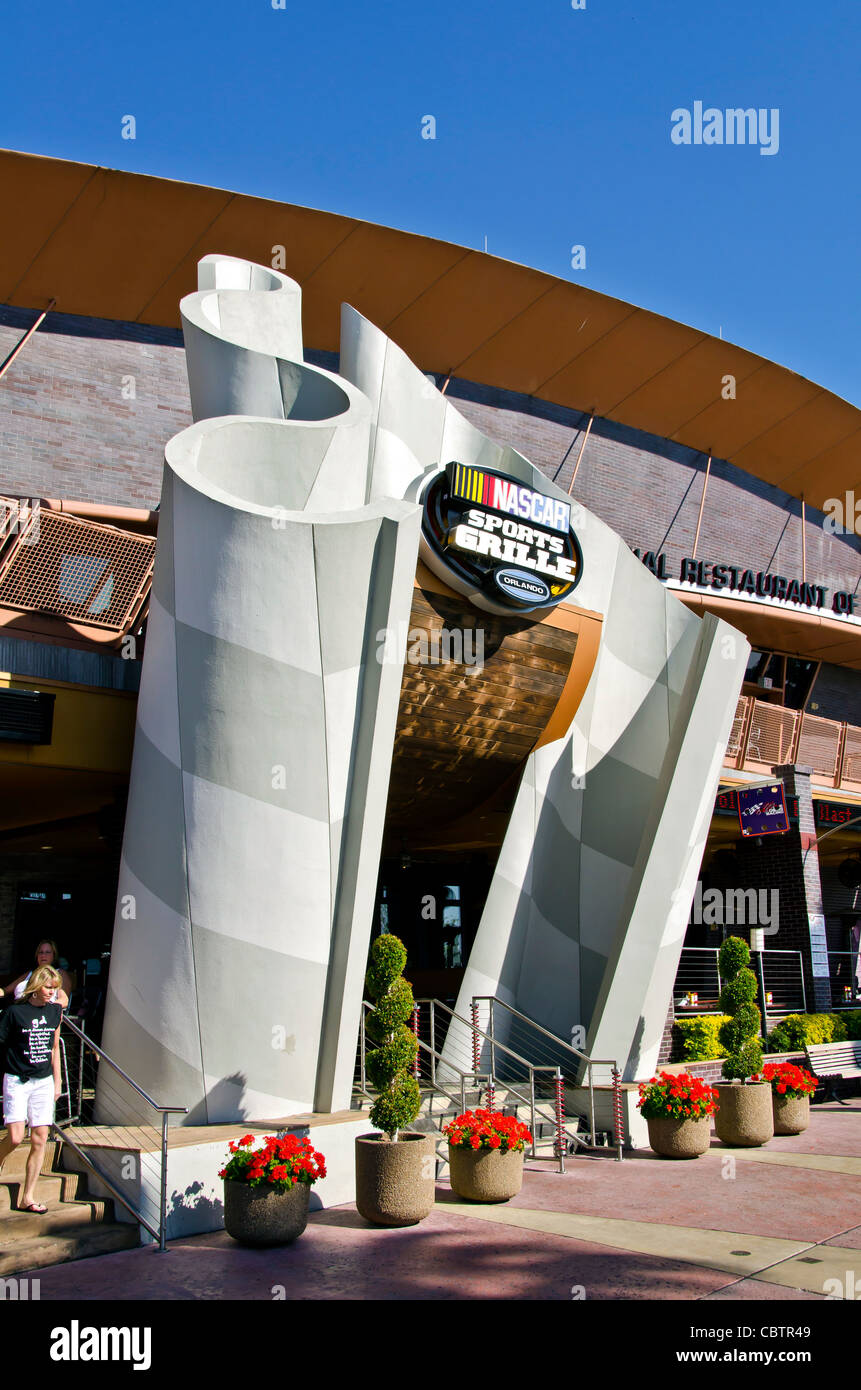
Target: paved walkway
<point>771,1223</point>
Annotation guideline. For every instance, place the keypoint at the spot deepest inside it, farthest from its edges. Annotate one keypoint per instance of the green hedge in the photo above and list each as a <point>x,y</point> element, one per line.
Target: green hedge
<point>852,1023</point>
<point>700,1037</point>
<point>796,1031</point>
<point>700,1043</point>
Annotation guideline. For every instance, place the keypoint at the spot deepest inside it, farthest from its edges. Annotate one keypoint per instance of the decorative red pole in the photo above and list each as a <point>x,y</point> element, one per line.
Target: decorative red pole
<point>476,1051</point>
<point>560,1120</point>
<point>618,1122</point>
<point>415,1028</point>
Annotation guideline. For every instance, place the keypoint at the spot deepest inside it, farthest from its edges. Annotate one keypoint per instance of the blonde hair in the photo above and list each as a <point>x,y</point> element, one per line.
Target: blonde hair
<point>43,975</point>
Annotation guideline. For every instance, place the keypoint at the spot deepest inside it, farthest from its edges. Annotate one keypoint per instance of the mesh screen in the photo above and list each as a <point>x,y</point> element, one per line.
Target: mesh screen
<point>819,745</point>
<point>772,729</point>
<point>852,754</point>
<point>77,570</point>
<point>734,746</point>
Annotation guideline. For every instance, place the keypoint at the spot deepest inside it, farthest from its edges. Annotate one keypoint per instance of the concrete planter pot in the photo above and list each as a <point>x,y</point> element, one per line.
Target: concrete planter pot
<point>265,1215</point>
<point>485,1175</point>
<point>395,1183</point>
<point>791,1113</point>
<point>744,1119</point>
<point>680,1138</point>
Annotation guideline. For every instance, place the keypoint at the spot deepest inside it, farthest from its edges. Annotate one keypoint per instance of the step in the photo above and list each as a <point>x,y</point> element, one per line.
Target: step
<point>40,1252</point>
<point>50,1187</point>
<point>17,1160</point>
<point>64,1218</point>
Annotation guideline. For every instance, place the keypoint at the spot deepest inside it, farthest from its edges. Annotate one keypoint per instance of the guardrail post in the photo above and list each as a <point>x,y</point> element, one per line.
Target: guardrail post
<point>761,974</point>
<point>476,1053</point>
<point>162,1216</point>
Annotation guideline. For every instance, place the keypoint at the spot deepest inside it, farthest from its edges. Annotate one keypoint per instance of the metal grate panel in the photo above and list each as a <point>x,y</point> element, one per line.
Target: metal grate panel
<point>772,729</point>
<point>77,570</point>
<point>733,748</point>
<point>852,754</point>
<point>819,744</point>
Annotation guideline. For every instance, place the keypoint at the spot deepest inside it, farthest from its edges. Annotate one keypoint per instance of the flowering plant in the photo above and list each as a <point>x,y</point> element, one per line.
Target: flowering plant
<point>676,1097</point>
<point>487,1129</point>
<point>280,1163</point>
<point>789,1080</point>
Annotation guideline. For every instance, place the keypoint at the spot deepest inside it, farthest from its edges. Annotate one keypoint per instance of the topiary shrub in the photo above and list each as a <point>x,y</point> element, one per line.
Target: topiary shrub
<point>699,1037</point>
<point>389,1065</point>
<point>739,1036</point>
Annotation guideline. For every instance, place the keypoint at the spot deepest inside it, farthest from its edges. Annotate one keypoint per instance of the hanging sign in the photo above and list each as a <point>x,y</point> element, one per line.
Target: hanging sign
<point>762,809</point>
<point>504,541</point>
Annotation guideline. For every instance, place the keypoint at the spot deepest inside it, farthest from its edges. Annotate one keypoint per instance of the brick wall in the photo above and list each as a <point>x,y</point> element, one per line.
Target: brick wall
<point>70,428</point>
<point>648,489</point>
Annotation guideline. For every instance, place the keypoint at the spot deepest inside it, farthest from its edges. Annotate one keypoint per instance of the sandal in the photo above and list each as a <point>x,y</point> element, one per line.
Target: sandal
<point>36,1208</point>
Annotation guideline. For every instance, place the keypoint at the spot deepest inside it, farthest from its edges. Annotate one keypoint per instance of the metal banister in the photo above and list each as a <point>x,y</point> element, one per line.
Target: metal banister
<point>159,1233</point>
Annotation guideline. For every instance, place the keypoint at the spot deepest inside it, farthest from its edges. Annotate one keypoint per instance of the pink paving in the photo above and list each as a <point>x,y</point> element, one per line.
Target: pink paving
<point>451,1256</point>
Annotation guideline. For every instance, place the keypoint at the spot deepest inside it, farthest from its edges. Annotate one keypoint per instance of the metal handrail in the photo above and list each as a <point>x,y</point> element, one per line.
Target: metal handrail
<point>163,1110</point>
<point>591,1062</point>
<point>560,1042</point>
<point>531,1068</point>
<point>477,1076</point>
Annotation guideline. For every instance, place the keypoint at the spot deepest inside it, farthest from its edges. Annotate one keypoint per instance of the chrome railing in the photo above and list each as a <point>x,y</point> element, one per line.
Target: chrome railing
<point>780,975</point>
<point>548,1048</point>
<point>82,1130</point>
<point>843,972</point>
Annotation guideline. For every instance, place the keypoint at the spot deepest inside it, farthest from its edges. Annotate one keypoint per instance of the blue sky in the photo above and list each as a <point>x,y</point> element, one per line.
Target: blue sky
<point>552,129</point>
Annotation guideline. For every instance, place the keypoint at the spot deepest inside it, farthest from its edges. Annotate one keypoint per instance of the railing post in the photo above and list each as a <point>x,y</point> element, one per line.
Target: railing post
<point>415,1027</point>
<point>592,1103</point>
<point>761,974</point>
<point>491,1092</point>
<point>803,989</point>
<point>618,1118</point>
<point>162,1216</point>
<point>532,1107</point>
<point>362,1052</point>
<point>560,1119</point>
<point>716,950</point>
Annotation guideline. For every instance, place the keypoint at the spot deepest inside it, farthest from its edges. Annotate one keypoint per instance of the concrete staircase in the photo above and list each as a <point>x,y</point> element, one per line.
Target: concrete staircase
<point>74,1227</point>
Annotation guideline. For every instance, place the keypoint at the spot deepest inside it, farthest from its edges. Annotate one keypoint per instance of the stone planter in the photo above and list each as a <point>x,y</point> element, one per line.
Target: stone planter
<point>680,1138</point>
<point>744,1119</point>
<point>265,1215</point>
<point>791,1113</point>
<point>485,1175</point>
<point>395,1183</point>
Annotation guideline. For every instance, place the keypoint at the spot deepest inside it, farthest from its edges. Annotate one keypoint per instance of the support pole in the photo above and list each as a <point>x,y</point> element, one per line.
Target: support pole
<point>580,455</point>
<point>702,506</point>
<point>7,362</point>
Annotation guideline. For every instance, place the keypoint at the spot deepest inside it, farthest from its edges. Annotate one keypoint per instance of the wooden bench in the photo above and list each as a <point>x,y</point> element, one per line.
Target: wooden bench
<point>832,1062</point>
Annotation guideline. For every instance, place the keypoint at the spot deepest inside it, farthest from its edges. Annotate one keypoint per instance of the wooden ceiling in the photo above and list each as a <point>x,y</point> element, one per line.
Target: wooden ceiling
<point>125,246</point>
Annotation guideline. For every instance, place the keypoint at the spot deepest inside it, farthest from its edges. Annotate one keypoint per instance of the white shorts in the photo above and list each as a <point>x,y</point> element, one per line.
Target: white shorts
<point>28,1102</point>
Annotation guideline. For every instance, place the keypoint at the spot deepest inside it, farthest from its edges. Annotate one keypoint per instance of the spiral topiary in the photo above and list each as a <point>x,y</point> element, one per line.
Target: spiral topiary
<point>739,1036</point>
<point>389,1065</point>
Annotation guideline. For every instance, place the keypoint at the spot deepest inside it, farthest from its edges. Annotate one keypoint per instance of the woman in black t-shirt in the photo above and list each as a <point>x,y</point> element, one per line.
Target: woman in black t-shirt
<point>30,1031</point>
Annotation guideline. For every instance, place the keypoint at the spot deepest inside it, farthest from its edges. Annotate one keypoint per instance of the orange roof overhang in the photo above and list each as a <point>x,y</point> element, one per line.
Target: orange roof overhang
<point>109,244</point>
<point>813,636</point>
